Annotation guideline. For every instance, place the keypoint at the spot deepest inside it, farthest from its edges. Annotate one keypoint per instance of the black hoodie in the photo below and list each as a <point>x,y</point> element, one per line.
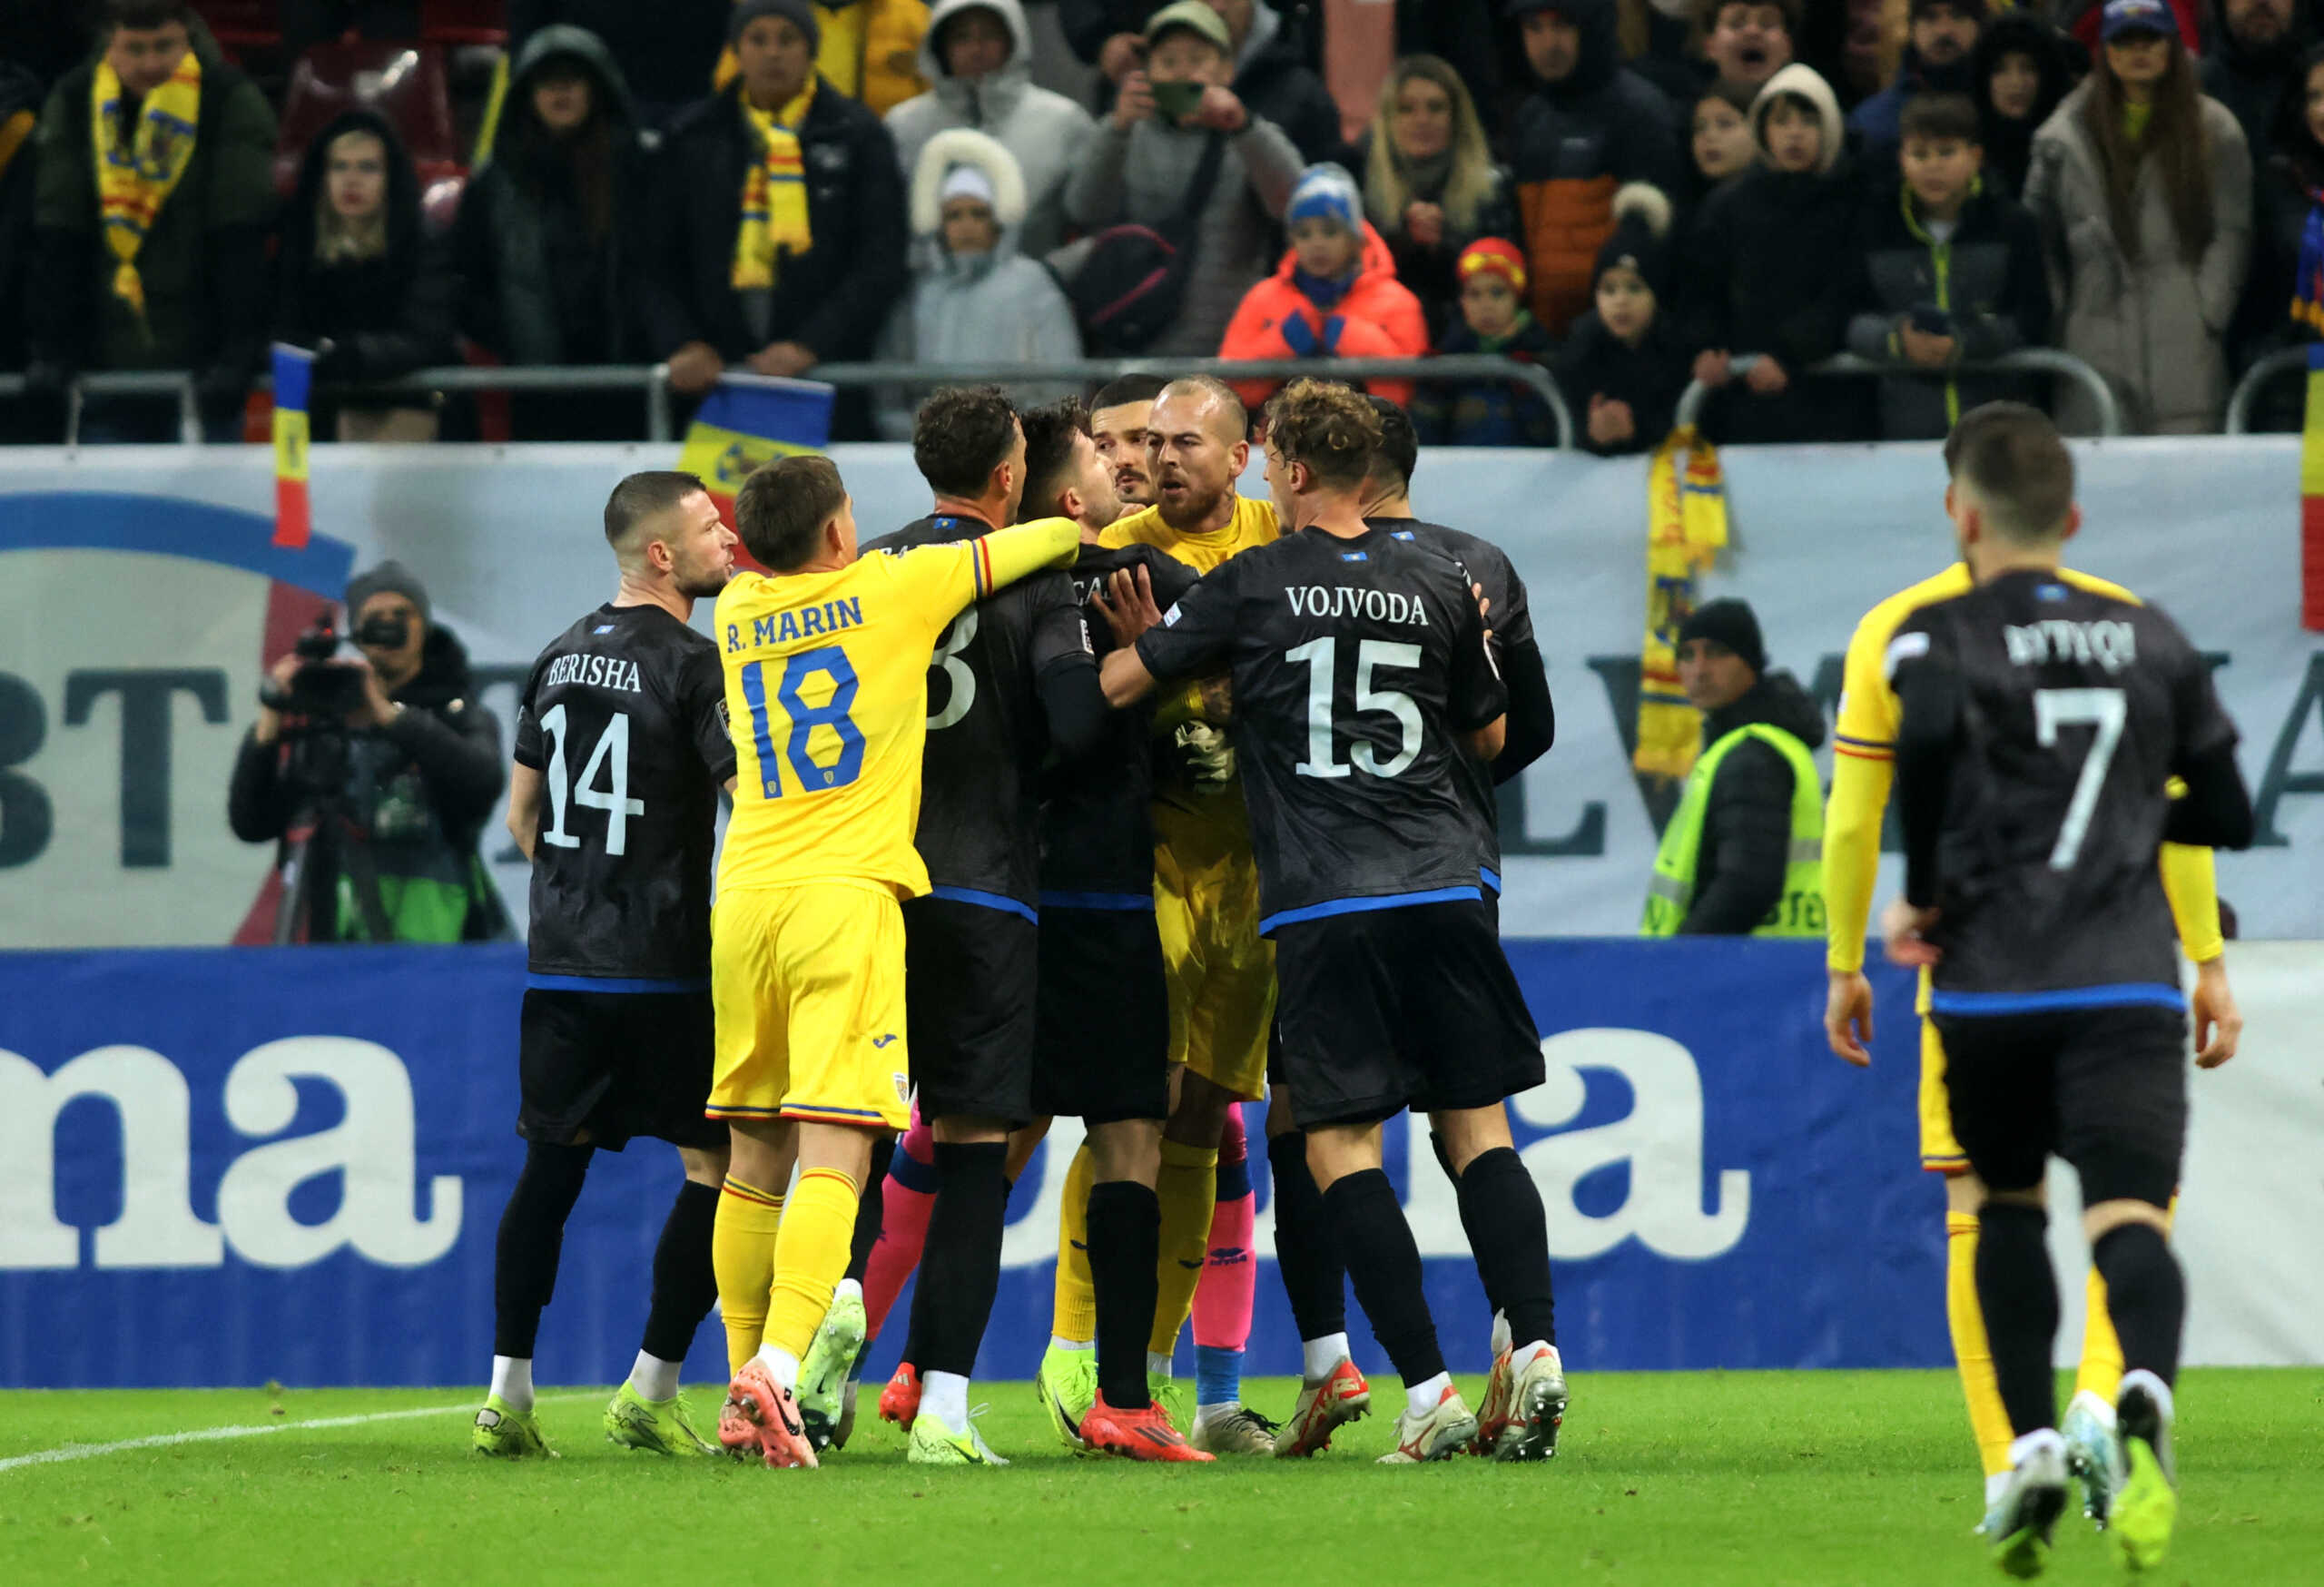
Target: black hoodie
<point>1746,818</point>
<point>2250,81</point>
<point>2009,143</point>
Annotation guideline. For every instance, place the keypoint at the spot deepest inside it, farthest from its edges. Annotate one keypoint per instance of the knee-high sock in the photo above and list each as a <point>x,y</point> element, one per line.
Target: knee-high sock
<point>1126,1222</point>
<point>810,1258</point>
<point>1073,1310</point>
<point>1972,1353</point>
<point>742,1254</point>
<point>1225,1292</point>
<point>949,1312</point>
<point>2147,1294</point>
<point>531,1240</point>
<point>685,1277</point>
<point>870,1209</point>
<point>2018,1292</point>
<point>1509,1235</point>
<point>1306,1253</point>
<point>906,1200</point>
<point>1383,1264</point>
<point>1187,1188</point>
<point>2100,1369</point>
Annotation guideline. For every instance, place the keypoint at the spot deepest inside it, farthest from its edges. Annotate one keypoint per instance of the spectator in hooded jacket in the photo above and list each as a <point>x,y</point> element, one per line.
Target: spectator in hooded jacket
<point>1625,367</point>
<point>1494,322</point>
<point>1589,125</point>
<point>159,261</point>
<point>975,298</point>
<point>2143,188</point>
<point>667,50</point>
<point>1946,271</point>
<point>1335,294</point>
<point>1769,254</point>
<point>548,241</point>
<point>980,55</point>
<point>1719,147</point>
<point>1143,163</point>
<point>358,278</point>
<point>1430,185</point>
<point>2291,178</point>
<point>1938,46</point>
<point>2021,72</point>
<point>1272,78</point>
<point>776,236</point>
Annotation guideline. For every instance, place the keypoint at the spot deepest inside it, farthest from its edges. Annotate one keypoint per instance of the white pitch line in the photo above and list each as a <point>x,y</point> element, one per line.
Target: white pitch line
<point>213,1435</point>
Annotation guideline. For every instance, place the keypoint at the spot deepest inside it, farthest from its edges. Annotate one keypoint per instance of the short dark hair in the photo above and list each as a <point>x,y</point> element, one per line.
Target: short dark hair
<point>2012,456</point>
<point>1707,14</point>
<point>1049,453</point>
<point>641,496</point>
<point>1940,117</point>
<point>1326,426</point>
<point>145,15</point>
<point>782,507</point>
<point>1399,452</point>
<point>1124,389</point>
<point>959,435</point>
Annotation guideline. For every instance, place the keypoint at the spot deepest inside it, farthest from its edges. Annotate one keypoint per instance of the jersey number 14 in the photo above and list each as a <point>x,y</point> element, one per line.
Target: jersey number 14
<point>611,756</point>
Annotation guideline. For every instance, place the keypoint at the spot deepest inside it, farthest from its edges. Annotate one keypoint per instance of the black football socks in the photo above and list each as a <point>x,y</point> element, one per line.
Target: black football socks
<point>686,1283</point>
<point>2018,1292</point>
<point>1383,1263</point>
<point>1509,1235</point>
<point>1125,1246</point>
<point>532,1238</point>
<point>2146,1296</point>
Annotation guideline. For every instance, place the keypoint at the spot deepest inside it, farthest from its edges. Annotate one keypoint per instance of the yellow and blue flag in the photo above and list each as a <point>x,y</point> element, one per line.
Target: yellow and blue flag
<point>294,369</point>
<point>2312,496</point>
<point>751,419</point>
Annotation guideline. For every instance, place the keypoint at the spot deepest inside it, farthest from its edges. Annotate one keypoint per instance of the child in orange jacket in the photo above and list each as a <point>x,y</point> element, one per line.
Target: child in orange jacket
<point>1335,294</point>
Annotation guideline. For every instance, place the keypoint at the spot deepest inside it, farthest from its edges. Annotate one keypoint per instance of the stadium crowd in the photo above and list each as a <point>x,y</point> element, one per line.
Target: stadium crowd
<point>1637,193</point>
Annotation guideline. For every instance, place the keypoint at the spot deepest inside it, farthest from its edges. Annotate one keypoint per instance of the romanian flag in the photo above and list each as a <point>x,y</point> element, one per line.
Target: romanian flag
<point>1686,507</point>
<point>294,369</point>
<point>2312,496</point>
<point>749,419</point>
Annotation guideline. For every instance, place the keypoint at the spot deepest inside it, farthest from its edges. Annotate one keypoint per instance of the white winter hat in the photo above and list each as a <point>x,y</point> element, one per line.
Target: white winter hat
<point>966,181</point>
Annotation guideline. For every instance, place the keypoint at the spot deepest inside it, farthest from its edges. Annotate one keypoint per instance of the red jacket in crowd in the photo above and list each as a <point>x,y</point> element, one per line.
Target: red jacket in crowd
<point>1378,317</point>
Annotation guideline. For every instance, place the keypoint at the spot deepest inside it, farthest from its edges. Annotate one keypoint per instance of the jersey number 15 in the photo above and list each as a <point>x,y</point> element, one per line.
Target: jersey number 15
<point>1322,656</point>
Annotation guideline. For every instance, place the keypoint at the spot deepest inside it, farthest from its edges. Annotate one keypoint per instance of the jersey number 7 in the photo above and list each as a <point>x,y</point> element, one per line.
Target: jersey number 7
<point>2104,709</point>
<point>814,777</point>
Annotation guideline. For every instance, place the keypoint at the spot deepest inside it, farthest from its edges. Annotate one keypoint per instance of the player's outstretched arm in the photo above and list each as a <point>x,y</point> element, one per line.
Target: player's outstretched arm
<point>524,806</point>
<point>1006,556</point>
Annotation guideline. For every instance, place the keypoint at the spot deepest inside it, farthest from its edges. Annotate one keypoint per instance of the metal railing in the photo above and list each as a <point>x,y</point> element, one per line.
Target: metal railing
<point>2028,360</point>
<point>2269,370</point>
<point>653,380</point>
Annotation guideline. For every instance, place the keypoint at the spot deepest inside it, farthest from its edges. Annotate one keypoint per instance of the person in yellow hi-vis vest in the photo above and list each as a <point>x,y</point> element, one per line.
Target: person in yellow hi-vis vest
<point>1743,853</point>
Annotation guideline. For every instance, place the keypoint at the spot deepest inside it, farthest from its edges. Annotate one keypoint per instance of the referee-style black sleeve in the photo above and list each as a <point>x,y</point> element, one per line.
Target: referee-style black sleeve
<point>2216,810</point>
<point>1929,691</point>
<point>1532,716</point>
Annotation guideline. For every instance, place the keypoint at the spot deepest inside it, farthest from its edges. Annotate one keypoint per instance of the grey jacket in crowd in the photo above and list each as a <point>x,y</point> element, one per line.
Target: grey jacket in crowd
<point>2155,328</point>
<point>1141,175</point>
<point>1045,130</point>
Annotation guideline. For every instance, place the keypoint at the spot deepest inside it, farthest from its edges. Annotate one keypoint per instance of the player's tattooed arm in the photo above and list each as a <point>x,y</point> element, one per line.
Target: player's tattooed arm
<point>524,806</point>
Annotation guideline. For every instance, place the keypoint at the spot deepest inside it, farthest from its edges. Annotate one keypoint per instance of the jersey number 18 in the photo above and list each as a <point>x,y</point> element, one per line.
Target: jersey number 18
<point>824,661</point>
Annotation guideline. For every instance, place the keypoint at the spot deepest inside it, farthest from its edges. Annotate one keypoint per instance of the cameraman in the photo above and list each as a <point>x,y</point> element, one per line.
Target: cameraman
<point>414,763</point>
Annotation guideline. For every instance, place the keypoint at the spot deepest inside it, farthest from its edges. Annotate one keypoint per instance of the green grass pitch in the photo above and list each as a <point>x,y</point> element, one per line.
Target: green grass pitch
<point>1697,1478</point>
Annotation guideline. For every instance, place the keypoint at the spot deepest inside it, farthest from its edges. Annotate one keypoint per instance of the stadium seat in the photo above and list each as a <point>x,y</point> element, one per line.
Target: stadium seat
<point>455,23</point>
<point>240,25</point>
<point>404,83</point>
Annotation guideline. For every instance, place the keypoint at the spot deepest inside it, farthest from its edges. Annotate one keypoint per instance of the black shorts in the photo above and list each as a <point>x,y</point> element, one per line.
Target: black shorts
<point>2104,1088</point>
<point>615,1065</point>
<point>1101,1046</point>
<point>1411,1007</point>
<point>968,980</point>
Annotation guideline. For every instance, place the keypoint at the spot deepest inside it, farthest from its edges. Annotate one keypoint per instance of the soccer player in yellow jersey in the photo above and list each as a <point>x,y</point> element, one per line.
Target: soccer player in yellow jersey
<point>1862,769</point>
<point>826,664</point>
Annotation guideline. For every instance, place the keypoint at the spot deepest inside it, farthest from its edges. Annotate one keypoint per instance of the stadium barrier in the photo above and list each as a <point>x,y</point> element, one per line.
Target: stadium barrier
<point>653,380</point>
<point>221,1166</point>
<point>2025,360</point>
<point>2278,366</point>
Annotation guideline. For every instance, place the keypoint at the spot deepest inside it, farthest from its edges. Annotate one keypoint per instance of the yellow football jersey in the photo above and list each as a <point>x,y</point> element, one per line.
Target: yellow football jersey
<point>1253,523</point>
<point>827,699</point>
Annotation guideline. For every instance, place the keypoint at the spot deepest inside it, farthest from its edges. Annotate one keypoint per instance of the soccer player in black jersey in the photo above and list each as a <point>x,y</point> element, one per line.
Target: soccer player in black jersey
<point>622,746</point>
<point>2042,723</point>
<point>1012,678</point>
<point>1362,679</point>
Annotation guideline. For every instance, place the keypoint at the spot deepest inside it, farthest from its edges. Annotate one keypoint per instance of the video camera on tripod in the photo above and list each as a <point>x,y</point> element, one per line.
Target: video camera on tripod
<point>325,841</point>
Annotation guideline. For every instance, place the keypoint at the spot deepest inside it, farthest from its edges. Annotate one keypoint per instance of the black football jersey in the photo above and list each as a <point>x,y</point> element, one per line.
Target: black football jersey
<point>979,780</point>
<point>1357,664</point>
<point>1097,816</point>
<point>625,718</point>
<point>2039,796</point>
<point>1510,615</point>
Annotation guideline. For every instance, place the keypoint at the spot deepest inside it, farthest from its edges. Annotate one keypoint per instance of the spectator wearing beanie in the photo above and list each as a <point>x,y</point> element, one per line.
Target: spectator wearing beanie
<point>1142,164</point>
<point>1335,295</point>
<point>775,237</point>
<point>1589,125</point>
<point>1762,276</point>
<point>2143,190</point>
<point>2021,70</point>
<point>1946,270</point>
<point>975,298</point>
<point>1430,185</point>
<point>1493,321</point>
<point>1939,45</point>
<point>979,53</point>
<point>867,49</point>
<point>1625,366</point>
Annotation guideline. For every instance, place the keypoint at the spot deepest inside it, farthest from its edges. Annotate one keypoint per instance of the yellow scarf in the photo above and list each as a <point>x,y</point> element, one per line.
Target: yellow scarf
<point>1686,507</point>
<point>775,195</point>
<point>135,180</point>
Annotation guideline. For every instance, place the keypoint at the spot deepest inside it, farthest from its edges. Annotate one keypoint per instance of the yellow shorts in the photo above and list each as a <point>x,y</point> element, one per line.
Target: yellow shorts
<point>807,986</point>
<point>1940,1152</point>
<point>1221,972</point>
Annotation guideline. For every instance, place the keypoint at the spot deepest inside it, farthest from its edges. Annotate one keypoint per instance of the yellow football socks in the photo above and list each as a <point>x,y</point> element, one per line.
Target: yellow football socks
<point>2101,1371</point>
<point>810,1258</point>
<point>1074,1312</point>
<point>1187,1188</point>
<point>742,1254</point>
<point>1988,1420</point>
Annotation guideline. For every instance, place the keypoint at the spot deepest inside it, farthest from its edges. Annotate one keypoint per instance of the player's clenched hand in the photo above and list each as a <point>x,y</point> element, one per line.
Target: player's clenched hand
<point>1129,605</point>
<point>1847,1017</point>
<point>1903,931</point>
<point>2219,1023</point>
